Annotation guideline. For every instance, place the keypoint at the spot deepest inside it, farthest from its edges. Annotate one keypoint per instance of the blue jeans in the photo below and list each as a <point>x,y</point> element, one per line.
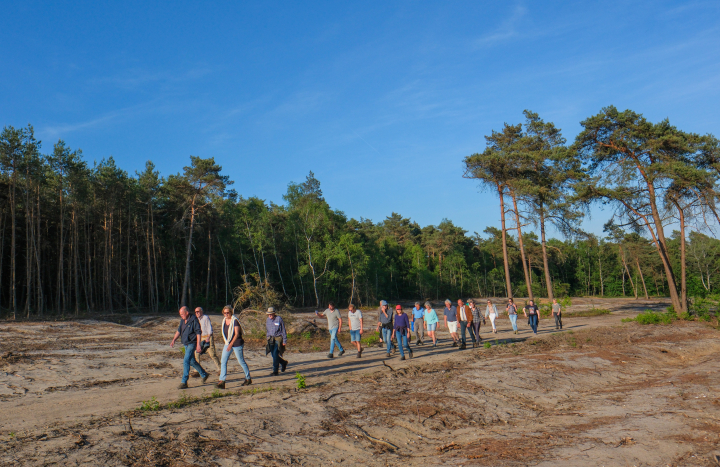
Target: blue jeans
<point>334,341</point>
<point>463,327</point>
<point>533,322</point>
<point>387,338</point>
<point>402,342</point>
<point>238,351</point>
<point>189,361</point>
<point>275,353</point>
<point>513,321</point>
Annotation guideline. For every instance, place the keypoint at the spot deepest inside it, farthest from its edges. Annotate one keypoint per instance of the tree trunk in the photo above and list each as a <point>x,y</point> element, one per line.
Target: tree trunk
<point>637,262</point>
<point>546,266</point>
<point>186,280</point>
<point>683,265</point>
<point>13,200</point>
<point>207,283</point>
<point>661,245</point>
<point>632,283</point>
<point>506,262</point>
<point>522,248</point>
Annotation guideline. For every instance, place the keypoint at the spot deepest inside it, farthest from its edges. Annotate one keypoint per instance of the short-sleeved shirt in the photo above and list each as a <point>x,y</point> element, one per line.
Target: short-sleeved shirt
<point>239,342</point>
<point>333,317</point>
<point>206,325</point>
<point>531,309</point>
<point>417,314</point>
<point>451,314</point>
<point>355,320</point>
<point>431,317</point>
<point>556,308</point>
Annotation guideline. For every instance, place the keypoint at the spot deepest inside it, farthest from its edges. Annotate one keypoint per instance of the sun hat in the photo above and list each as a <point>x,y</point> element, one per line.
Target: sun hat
<point>270,311</point>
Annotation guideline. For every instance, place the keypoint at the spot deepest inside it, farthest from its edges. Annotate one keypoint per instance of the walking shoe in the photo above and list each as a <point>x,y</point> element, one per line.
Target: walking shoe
<point>358,355</point>
<point>410,354</point>
<point>462,347</point>
<point>205,378</point>
<point>387,354</point>
<point>360,352</point>
<point>247,382</point>
<point>402,358</point>
<point>283,365</point>
<point>455,344</point>
<point>183,386</point>
<point>274,373</point>
<point>331,355</point>
<point>220,385</point>
<point>434,344</point>
<point>342,352</point>
<point>417,342</point>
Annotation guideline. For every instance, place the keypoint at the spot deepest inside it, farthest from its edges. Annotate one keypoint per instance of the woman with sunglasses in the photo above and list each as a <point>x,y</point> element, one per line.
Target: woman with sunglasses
<point>512,314</point>
<point>232,334</point>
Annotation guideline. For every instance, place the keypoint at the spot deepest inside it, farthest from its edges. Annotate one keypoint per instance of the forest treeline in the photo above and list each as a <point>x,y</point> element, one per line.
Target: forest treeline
<point>77,238</point>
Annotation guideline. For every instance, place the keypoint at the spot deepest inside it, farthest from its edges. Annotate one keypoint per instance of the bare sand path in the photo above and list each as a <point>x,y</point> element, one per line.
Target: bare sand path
<point>71,372</point>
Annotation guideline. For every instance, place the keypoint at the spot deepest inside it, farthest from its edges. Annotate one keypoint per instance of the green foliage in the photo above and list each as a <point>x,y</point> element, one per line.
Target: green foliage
<point>306,335</point>
<point>652,317</point>
<point>149,406</point>
<point>370,340</point>
<point>487,345</point>
<point>589,313</point>
<point>257,390</point>
<point>182,350</point>
<point>184,400</point>
<point>300,380</point>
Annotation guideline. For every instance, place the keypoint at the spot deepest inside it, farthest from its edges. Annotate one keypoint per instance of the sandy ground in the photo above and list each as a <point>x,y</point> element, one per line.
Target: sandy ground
<point>599,393</point>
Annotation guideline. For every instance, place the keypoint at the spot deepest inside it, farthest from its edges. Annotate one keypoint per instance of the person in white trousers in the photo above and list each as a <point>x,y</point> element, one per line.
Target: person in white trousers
<point>492,313</point>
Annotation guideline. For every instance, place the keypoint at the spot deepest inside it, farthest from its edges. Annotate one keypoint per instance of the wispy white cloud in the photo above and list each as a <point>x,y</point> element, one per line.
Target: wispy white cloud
<point>507,30</point>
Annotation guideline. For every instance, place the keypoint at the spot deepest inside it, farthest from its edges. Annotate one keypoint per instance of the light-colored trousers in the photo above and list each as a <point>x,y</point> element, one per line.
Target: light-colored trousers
<point>210,351</point>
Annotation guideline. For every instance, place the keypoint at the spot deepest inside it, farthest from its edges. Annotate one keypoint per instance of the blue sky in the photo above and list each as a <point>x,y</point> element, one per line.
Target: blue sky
<point>382,100</point>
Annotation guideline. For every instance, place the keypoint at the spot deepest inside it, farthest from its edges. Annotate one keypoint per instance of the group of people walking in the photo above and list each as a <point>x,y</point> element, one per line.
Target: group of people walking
<point>395,332</point>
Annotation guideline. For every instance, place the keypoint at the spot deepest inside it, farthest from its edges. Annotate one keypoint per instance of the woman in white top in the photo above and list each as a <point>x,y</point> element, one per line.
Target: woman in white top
<point>233,336</point>
<point>492,313</point>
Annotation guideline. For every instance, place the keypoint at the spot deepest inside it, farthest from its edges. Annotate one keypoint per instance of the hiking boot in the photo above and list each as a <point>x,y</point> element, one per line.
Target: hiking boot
<point>274,373</point>
<point>331,355</point>
<point>455,344</point>
<point>387,354</point>
<point>220,385</point>
<point>410,354</point>
<point>462,347</point>
<point>402,358</point>
<point>358,355</point>
<point>247,382</point>
<point>283,365</point>
<point>360,352</point>
<point>183,386</point>
<point>417,343</point>
<point>342,352</point>
<point>205,378</point>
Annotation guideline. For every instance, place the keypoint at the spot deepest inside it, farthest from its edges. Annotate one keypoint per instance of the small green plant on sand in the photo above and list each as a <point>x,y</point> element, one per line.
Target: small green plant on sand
<point>487,345</point>
<point>150,406</point>
<point>182,350</point>
<point>300,380</point>
<point>182,402</point>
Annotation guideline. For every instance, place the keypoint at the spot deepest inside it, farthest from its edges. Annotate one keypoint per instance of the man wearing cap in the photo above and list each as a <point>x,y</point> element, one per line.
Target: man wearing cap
<point>450,319</point>
<point>465,318</point>
<point>207,336</point>
<point>334,326</point>
<point>419,323</point>
<point>276,340</point>
<point>385,324</point>
<point>189,332</point>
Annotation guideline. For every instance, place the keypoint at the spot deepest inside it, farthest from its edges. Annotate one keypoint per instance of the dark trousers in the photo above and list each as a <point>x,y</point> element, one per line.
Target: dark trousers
<point>533,322</point>
<point>277,359</point>
<point>558,321</point>
<point>463,327</point>
<point>475,328</point>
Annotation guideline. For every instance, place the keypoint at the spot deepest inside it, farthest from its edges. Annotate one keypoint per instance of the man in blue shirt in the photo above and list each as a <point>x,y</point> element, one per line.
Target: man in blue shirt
<point>451,322</point>
<point>419,323</point>
<point>276,340</point>
<point>189,332</point>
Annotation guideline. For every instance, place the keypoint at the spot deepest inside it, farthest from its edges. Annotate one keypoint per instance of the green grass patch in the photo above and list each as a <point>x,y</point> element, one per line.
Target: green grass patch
<point>588,313</point>
<point>370,341</point>
<point>652,317</point>
<point>150,406</point>
<point>487,345</point>
<point>257,390</point>
<point>184,400</point>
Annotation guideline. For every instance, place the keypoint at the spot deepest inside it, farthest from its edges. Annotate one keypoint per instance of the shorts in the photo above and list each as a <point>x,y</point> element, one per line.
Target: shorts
<point>452,326</point>
<point>432,327</point>
<point>355,336</point>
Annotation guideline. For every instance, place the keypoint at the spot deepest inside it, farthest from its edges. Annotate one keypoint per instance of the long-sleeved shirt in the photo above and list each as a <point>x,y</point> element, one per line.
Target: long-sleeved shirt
<point>489,310</point>
<point>188,331</point>
<point>476,314</point>
<point>386,321</point>
<point>402,322</point>
<point>276,328</point>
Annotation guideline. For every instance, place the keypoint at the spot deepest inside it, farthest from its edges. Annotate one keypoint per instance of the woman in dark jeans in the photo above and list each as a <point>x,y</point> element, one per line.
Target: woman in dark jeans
<point>532,313</point>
